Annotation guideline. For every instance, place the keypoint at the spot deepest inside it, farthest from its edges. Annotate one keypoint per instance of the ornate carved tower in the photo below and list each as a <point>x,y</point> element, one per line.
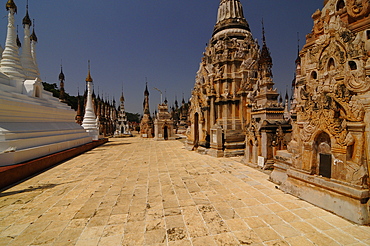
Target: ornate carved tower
<point>146,124</point>
<point>231,69</point>
<point>327,161</point>
<point>122,127</point>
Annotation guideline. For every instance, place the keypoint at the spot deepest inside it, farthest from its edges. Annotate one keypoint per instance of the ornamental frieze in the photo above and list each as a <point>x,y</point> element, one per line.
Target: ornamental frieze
<point>358,8</point>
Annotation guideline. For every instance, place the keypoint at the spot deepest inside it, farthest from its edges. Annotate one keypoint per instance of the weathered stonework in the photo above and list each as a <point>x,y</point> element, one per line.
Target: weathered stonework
<point>122,125</point>
<point>327,161</point>
<point>146,124</point>
<point>234,81</point>
<point>163,124</point>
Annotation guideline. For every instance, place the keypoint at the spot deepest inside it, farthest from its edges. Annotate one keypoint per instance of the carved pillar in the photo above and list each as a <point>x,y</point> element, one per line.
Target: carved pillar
<point>212,112</point>
<point>307,157</point>
<point>263,144</point>
<point>367,137</point>
<point>234,116</point>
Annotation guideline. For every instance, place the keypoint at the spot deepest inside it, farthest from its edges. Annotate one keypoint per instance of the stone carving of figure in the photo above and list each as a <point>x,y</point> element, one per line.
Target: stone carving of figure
<point>240,53</point>
<point>220,72</point>
<point>219,45</point>
<point>357,109</point>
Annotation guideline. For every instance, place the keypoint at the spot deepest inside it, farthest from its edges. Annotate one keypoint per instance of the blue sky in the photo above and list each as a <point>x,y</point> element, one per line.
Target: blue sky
<point>163,41</point>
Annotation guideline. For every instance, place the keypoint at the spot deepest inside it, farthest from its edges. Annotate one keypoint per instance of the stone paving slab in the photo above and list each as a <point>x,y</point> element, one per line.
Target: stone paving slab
<point>134,191</point>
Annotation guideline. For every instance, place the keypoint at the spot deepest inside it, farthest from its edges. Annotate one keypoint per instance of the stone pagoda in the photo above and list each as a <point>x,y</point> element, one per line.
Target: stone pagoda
<point>327,161</point>
<point>122,127</point>
<point>163,123</point>
<point>233,75</point>
<point>146,124</point>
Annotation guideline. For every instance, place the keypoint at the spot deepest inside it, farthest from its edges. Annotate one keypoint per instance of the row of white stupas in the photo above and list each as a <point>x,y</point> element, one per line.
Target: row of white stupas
<point>32,122</point>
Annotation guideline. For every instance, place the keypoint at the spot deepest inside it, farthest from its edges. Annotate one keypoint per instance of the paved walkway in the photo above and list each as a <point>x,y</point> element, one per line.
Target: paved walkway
<point>136,191</point>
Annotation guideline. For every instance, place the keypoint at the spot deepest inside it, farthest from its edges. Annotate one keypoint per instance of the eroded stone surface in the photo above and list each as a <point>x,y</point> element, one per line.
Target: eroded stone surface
<point>135,191</point>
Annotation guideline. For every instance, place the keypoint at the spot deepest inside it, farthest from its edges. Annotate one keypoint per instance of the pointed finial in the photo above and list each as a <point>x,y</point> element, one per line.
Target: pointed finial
<point>19,44</point>
<point>286,94</point>
<point>11,5</point>
<point>122,99</point>
<point>26,19</point>
<point>88,78</point>
<point>298,60</point>
<point>33,36</point>
<point>61,75</point>
<point>146,92</point>
<point>263,33</point>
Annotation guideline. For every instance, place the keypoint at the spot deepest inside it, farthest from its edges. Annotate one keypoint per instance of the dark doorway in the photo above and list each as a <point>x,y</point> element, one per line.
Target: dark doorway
<point>196,130</point>
<point>250,151</point>
<point>325,165</point>
<point>324,154</point>
<point>165,133</point>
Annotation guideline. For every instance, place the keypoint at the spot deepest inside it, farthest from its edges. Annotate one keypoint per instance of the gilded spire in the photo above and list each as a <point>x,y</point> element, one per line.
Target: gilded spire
<point>122,99</point>
<point>88,78</point>
<point>11,5</point>
<point>26,19</point>
<point>33,36</point>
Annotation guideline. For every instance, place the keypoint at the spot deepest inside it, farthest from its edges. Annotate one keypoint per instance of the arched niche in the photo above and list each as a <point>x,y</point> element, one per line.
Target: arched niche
<point>313,75</point>
<point>340,5</point>
<point>331,65</point>
<point>323,154</point>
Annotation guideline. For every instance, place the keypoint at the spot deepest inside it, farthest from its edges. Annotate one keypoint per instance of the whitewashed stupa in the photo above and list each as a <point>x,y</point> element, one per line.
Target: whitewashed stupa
<point>32,122</point>
<point>89,122</point>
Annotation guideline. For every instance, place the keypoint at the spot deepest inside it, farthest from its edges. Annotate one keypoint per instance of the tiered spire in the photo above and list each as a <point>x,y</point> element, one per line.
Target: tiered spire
<point>26,58</point>
<point>230,9</point>
<point>33,39</point>
<point>26,19</point>
<point>230,15</point>
<point>122,99</point>
<point>62,95</point>
<point>10,63</point>
<point>88,78</point>
<point>146,100</point>
<point>11,5</point>
<point>89,122</point>
<point>265,59</point>
<point>33,35</point>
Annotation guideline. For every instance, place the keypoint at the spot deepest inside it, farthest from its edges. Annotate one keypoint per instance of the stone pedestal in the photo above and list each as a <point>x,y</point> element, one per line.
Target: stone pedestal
<point>349,202</point>
<point>216,141</point>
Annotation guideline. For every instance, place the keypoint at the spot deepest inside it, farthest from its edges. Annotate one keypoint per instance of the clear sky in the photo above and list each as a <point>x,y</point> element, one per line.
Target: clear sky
<point>162,40</point>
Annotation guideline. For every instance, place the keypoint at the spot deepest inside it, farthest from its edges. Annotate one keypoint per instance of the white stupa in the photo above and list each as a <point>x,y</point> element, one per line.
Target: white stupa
<point>32,122</point>
<point>89,122</point>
